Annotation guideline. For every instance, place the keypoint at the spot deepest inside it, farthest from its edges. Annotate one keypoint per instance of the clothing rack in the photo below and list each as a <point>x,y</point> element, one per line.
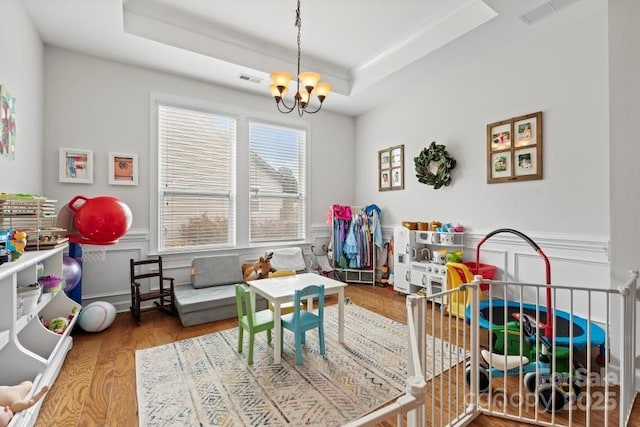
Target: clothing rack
<point>355,234</point>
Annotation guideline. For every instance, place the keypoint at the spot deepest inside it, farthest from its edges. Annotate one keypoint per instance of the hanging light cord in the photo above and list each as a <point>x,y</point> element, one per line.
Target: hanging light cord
<point>297,99</point>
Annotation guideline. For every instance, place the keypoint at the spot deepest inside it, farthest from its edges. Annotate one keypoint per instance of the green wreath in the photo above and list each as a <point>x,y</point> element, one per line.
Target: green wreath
<point>433,166</point>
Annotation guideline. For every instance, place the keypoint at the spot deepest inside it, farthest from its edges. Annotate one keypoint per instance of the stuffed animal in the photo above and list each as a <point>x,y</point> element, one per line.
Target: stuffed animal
<point>5,416</point>
<point>13,400</point>
<point>258,270</point>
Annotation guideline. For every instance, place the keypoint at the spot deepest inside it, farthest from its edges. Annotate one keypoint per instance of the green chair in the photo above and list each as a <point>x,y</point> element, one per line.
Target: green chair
<point>301,321</point>
<point>250,321</point>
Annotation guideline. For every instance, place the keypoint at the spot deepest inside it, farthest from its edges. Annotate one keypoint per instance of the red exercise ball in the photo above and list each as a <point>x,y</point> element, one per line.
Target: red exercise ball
<point>101,220</point>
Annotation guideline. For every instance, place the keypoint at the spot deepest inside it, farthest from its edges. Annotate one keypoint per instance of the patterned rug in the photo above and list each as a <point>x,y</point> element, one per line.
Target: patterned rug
<point>203,381</point>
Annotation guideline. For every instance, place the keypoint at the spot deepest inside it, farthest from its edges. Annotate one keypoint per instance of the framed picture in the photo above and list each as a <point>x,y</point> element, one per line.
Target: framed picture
<point>123,169</point>
<point>385,159</point>
<point>397,156</point>
<point>385,178</point>
<point>514,149</point>
<point>391,168</point>
<point>76,166</point>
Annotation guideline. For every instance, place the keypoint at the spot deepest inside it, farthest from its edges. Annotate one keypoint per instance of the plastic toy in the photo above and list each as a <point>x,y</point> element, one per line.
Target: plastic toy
<point>515,343</point>
<point>72,272</point>
<point>50,283</point>
<point>97,316</point>
<point>60,324</point>
<point>100,220</point>
<point>17,243</point>
<point>554,390</point>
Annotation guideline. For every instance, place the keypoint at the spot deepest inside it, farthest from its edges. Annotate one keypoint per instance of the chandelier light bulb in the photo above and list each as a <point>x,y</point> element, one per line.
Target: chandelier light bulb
<point>309,79</point>
<point>281,78</point>
<point>275,91</point>
<point>303,97</point>
<point>322,90</point>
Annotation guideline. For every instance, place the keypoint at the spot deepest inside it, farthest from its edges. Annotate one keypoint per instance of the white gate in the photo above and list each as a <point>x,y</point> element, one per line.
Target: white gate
<point>502,358</point>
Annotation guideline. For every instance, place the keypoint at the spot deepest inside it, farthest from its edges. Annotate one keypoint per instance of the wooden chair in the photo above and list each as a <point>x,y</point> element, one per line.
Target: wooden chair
<point>250,321</point>
<point>301,321</point>
<point>150,269</point>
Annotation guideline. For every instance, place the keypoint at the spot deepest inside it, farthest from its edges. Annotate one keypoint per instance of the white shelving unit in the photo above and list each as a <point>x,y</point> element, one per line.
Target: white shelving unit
<point>28,350</point>
<point>34,215</point>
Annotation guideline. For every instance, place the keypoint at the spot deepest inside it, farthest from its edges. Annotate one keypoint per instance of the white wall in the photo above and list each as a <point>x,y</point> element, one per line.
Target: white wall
<point>104,106</point>
<point>21,73</point>
<point>624,95</point>
<point>502,70</point>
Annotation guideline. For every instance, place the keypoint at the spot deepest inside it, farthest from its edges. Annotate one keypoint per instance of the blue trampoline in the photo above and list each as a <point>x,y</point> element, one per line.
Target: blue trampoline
<point>564,323</point>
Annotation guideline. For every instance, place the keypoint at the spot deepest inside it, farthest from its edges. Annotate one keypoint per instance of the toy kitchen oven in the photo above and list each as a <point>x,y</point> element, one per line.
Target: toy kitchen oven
<point>420,258</point>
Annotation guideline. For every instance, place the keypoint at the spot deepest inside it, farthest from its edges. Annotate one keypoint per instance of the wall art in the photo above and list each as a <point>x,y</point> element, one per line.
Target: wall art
<point>7,124</point>
<point>514,149</point>
<point>391,168</point>
<point>123,169</point>
<point>76,166</point>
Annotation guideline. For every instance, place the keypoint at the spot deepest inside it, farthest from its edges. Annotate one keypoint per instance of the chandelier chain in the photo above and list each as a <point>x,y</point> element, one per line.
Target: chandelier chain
<point>310,83</point>
<point>299,25</point>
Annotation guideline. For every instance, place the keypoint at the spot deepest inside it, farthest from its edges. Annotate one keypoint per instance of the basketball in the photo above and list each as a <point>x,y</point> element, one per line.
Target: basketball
<point>97,316</point>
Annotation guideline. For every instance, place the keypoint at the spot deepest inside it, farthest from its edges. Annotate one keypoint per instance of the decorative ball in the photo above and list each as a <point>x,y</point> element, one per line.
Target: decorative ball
<point>71,272</point>
<point>97,316</point>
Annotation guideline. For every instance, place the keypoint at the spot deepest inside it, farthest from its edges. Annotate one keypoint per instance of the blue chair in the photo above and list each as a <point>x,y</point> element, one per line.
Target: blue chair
<point>252,322</point>
<point>301,321</point>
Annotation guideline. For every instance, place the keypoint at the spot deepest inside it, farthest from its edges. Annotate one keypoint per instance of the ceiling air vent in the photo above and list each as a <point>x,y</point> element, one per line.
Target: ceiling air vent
<point>249,78</point>
<point>544,10</point>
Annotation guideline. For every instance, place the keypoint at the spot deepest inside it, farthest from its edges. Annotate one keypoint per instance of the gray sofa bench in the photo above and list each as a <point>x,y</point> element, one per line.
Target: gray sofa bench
<point>211,294</point>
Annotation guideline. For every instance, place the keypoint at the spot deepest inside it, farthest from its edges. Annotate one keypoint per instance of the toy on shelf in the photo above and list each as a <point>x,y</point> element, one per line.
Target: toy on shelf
<point>50,283</point>
<point>17,243</point>
<point>60,324</point>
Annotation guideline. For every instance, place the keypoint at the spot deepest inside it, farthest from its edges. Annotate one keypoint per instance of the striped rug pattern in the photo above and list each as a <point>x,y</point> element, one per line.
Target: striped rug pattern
<point>203,381</point>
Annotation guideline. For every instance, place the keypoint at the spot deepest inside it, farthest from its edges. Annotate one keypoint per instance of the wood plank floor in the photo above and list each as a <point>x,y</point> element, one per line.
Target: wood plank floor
<point>97,386</point>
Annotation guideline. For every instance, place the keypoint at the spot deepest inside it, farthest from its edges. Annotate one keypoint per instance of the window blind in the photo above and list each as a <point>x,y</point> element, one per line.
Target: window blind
<point>196,181</point>
<point>277,179</point>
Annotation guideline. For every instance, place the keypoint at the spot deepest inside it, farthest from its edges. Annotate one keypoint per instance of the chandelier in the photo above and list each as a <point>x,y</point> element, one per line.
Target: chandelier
<point>308,80</point>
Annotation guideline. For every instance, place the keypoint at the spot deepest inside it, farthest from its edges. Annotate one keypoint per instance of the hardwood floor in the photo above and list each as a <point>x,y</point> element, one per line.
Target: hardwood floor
<point>97,385</point>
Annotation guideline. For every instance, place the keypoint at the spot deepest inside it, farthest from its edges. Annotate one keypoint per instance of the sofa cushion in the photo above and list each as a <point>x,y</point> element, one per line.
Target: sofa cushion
<point>196,306</point>
<point>190,299</point>
<point>288,259</point>
<point>216,270</point>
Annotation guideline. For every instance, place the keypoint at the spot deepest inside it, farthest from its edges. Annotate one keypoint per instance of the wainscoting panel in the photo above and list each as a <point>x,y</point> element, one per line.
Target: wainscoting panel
<point>575,259</point>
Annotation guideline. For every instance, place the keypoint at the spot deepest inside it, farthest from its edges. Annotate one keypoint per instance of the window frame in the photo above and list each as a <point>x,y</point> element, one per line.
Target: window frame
<point>241,179</point>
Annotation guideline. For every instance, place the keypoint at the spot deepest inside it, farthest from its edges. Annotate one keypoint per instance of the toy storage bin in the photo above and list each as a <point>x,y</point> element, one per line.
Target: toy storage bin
<point>487,271</point>
<point>29,296</point>
<point>38,339</point>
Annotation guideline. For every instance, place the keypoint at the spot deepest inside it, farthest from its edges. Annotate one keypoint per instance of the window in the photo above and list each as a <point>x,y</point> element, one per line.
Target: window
<point>226,179</point>
<point>196,178</point>
<point>277,180</point>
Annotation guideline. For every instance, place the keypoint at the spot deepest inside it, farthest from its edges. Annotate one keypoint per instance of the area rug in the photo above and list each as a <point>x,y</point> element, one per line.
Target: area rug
<point>203,381</point>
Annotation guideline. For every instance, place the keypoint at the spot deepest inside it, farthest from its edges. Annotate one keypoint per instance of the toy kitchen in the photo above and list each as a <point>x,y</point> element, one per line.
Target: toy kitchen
<point>420,259</point>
